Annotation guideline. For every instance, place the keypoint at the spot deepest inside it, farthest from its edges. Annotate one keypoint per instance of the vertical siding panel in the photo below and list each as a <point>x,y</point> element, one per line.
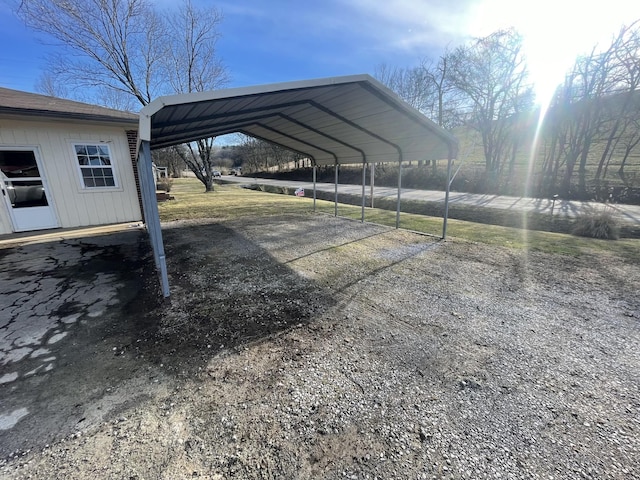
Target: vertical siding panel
<point>6,138</point>
<point>47,149</point>
<point>74,205</point>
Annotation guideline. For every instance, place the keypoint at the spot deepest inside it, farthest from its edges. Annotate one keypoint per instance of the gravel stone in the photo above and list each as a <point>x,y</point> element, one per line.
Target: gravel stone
<point>314,347</point>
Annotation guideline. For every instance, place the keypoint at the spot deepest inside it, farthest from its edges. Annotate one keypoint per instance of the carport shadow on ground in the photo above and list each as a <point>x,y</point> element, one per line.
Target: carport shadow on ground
<point>237,290</point>
<point>233,289</point>
<point>85,336</point>
<point>81,334</point>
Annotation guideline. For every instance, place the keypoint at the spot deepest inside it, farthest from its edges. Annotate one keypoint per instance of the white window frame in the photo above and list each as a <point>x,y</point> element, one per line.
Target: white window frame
<point>80,168</point>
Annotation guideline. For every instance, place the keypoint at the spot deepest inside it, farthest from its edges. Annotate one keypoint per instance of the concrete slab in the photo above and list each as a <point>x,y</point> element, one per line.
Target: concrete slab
<point>64,297</point>
<point>58,234</point>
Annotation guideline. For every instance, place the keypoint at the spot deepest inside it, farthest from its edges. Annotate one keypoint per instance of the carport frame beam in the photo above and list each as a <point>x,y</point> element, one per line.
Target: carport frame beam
<point>372,180</point>
<point>151,214</point>
<point>315,168</point>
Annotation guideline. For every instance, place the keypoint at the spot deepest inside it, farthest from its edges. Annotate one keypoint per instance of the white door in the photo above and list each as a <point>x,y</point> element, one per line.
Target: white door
<point>24,190</point>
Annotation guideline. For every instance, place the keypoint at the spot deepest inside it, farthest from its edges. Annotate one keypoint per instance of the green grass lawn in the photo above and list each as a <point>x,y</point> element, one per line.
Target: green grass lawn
<point>230,201</point>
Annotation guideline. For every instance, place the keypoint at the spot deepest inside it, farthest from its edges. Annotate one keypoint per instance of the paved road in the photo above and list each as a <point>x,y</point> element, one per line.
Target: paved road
<point>626,213</point>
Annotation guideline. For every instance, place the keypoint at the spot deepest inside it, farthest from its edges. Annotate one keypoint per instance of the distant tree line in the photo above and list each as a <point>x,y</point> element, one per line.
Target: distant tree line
<point>252,154</point>
<point>258,155</point>
<point>594,120</point>
<point>222,158</point>
<point>587,147</point>
<point>591,134</point>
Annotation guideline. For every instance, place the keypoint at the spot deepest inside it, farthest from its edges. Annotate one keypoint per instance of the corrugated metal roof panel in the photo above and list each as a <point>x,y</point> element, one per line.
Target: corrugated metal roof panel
<point>343,119</point>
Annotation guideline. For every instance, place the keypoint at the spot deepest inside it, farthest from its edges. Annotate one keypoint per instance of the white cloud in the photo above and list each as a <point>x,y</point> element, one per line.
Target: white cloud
<point>414,24</point>
<point>355,35</point>
<point>554,31</point>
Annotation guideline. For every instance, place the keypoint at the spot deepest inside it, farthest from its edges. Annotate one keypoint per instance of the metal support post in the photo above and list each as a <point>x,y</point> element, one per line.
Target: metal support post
<point>364,197</point>
<point>446,199</point>
<point>335,208</point>
<point>399,190</point>
<point>151,216</point>
<point>373,174</point>
<point>314,187</point>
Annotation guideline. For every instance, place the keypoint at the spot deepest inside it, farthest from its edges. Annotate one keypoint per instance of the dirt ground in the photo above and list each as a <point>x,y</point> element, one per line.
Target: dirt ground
<point>314,347</point>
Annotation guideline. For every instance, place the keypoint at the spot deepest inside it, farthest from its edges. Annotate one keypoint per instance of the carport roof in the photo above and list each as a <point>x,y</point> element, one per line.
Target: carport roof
<point>346,120</point>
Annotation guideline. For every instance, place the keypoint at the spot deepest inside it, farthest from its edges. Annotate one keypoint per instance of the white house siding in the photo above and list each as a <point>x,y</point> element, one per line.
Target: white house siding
<point>74,205</point>
<point>5,221</point>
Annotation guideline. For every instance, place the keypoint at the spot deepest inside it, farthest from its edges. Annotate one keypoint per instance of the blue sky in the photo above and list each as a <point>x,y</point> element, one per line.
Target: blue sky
<point>291,40</point>
<point>268,41</point>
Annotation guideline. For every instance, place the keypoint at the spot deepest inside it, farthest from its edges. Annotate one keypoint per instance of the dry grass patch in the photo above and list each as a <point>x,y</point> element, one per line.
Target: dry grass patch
<point>232,201</point>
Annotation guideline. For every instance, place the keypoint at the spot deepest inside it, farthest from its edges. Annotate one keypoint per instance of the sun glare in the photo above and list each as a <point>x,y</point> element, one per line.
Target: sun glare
<point>554,32</point>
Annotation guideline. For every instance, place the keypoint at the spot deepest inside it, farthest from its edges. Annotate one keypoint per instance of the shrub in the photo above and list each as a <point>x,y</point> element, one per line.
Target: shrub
<point>597,224</point>
<point>164,184</point>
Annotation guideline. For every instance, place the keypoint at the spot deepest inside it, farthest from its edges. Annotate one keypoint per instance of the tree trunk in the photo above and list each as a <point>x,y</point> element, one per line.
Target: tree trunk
<point>606,154</point>
<point>582,172</point>
<point>565,186</point>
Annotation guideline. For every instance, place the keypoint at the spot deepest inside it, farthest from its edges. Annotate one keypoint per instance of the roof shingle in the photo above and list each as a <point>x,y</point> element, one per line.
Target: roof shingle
<point>26,103</point>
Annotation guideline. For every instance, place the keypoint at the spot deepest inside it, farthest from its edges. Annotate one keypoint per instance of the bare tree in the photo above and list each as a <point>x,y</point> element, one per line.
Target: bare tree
<point>491,74</point>
<point>47,84</point>
<point>426,87</point>
<point>408,83</point>
<point>253,152</point>
<point>170,158</point>
<point>577,119</point>
<point>126,47</point>
<point>594,116</point>
<point>629,143</point>
<point>260,155</point>
<point>192,66</point>
<point>116,44</point>
<point>622,109</point>
<point>114,99</point>
<point>444,102</point>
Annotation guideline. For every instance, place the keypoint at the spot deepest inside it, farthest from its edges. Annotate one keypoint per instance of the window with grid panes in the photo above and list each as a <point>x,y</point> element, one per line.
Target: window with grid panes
<point>95,165</point>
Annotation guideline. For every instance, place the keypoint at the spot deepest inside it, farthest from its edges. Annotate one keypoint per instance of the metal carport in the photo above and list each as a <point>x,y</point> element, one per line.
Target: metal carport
<point>334,121</point>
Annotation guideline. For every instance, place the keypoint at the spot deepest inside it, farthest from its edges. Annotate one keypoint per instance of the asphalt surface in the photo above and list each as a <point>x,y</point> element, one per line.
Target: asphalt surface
<point>625,213</point>
<point>66,303</point>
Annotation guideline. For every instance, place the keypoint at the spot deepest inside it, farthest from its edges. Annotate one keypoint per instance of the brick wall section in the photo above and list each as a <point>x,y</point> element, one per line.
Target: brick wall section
<point>132,138</point>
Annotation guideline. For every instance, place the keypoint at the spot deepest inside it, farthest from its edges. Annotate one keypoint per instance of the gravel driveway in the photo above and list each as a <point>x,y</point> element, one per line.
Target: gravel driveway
<point>316,347</point>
